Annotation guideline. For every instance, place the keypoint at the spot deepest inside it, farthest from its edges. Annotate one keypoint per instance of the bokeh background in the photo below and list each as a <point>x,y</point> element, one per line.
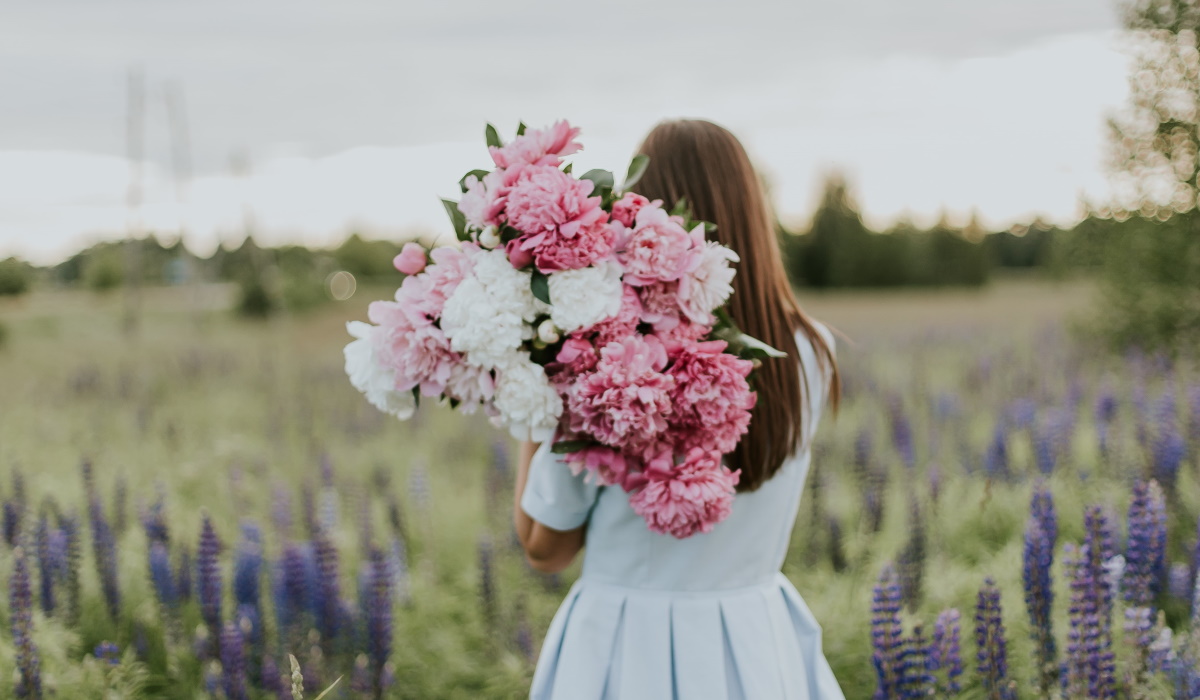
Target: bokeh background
<point>994,204</point>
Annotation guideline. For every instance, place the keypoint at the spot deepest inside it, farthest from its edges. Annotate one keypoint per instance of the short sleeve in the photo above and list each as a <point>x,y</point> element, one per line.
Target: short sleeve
<point>554,496</point>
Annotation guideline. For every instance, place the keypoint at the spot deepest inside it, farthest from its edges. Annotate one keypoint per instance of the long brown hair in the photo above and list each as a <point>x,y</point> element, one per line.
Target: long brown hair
<point>707,165</point>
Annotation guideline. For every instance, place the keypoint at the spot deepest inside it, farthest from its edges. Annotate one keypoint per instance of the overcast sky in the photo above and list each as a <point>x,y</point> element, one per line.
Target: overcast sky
<point>357,114</point>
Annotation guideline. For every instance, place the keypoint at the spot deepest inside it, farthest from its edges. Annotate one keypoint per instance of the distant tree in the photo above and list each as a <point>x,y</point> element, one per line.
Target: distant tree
<point>831,254</point>
<point>16,276</point>
<point>363,258</point>
<point>103,268</point>
<point>1150,270</point>
<point>1156,137</point>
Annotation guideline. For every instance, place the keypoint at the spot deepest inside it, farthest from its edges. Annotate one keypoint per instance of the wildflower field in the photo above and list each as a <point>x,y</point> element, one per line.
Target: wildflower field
<point>1000,510</point>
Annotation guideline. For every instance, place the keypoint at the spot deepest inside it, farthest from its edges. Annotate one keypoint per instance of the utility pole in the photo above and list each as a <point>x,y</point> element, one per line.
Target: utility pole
<point>135,133</point>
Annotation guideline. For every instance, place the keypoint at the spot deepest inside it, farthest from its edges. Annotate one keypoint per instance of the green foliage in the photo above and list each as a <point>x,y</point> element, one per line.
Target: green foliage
<point>255,300</point>
<point>366,259</point>
<point>1150,285</point>
<point>104,271</point>
<point>16,276</point>
<point>840,251</point>
<point>3,335</point>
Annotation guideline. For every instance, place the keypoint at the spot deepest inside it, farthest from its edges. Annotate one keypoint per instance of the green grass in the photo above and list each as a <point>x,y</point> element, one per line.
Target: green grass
<point>220,415</point>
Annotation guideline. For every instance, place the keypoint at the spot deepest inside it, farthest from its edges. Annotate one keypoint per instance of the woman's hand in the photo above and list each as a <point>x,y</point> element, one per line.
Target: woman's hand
<point>548,550</point>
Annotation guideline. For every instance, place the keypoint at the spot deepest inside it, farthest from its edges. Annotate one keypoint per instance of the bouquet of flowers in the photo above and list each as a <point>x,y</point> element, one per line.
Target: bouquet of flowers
<point>578,312</point>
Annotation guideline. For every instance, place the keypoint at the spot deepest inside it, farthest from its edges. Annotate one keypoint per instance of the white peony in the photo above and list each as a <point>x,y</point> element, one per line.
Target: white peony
<point>374,380</point>
<point>470,385</point>
<point>582,298</point>
<point>489,314</point>
<point>527,402</point>
<point>708,286</point>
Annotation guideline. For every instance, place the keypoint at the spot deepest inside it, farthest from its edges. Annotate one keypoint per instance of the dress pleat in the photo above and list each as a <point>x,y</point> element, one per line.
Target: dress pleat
<point>643,675</point>
<point>543,676</point>
<point>790,660</point>
<point>749,630</point>
<point>588,643</point>
<point>698,649</point>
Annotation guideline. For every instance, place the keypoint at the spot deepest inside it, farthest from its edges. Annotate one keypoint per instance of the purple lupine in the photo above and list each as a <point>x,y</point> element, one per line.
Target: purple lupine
<point>1039,600</point>
<point>1167,446</point>
<point>273,681</point>
<point>1145,554</point>
<point>154,522</point>
<point>360,677</point>
<point>945,652</point>
<point>45,564</point>
<point>1179,583</point>
<point>20,605</point>
<point>208,582</point>
<point>1106,413</point>
<point>327,597</point>
<point>1090,666</point>
<point>1139,632</point>
<point>104,547</point>
<point>14,510</point>
<point>1021,413</point>
<point>902,434</point>
<point>1193,402</point>
<point>873,507</point>
<point>247,567</point>
<point>161,576</point>
<point>183,575</point>
<point>108,653</point>
<point>523,635</point>
<point>70,528</point>
<point>379,619</point>
<point>991,648</point>
<point>329,496</point>
<point>281,511</point>
<point>995,459</point>
<point>911,563</point>
<point>487,584</point>
<point>916,680</point>
<point>1195,564</point>
<point>233,663</point>
<point>1041,508</point>
<point>308,509</point>
<point>886,634</point>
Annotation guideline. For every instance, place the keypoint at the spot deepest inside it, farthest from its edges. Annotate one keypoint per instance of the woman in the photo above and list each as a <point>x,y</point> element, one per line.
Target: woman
<point>710,616</point>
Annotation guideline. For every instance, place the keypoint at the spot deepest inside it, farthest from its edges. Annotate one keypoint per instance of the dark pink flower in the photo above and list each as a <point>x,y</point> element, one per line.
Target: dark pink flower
<point>621,326</point>
<point>711,397</point>
<point>538,147</point>
<point>561,225</point>
<point>688,498</point>
<point>625,401</point>
<point>608,466</point>
<point>626,208</point>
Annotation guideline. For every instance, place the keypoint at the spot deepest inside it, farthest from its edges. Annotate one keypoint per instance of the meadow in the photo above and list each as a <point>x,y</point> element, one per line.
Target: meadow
<point>186,505</point>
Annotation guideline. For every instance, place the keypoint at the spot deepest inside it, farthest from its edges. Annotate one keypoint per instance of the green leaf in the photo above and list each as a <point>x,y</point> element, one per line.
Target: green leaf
<point>745,346</point>
<point>567,169</point>
<point>508,233</point>
<point>637,168</point>
<point>456,218</point>
<point>521,129</point>
<point>569,446</point>
<point>479,175</point>
<point>540,286</point>
<point>493,138</point>
<point>680,208</point>
<point>709,227</point>
<point>602,178</point>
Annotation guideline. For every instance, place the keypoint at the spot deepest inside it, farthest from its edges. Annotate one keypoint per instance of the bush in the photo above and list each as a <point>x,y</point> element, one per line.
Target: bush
<point>15,277</point>
<point>103,270</point>
<point>255,299</point>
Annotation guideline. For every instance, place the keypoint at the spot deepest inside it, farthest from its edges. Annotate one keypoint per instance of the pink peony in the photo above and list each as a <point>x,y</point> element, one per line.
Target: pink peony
<point>609,467</point>
<point>626,400</point>
<point>561,225</point>
<point>482,205</point>
<point>621,326</point>
<point>416,350</point>
<point>575,357</point>
<point>411,259</point>
<point>538,147</point>
<point>626,208</point>
<point>684,331</point>
<point>711,397</point>
<point>660,304</point>
<point>656,249</point>
<point>423,295</point>
<point>689,498</point>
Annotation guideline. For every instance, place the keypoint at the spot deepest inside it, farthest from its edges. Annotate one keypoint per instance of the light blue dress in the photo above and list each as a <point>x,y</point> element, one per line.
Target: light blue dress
<point>707,617</point>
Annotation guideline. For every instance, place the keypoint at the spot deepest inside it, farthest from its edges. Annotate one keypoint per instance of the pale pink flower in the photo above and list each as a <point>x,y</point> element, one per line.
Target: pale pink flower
<point>656,249</point>
<point>689,498</point>
<point>626,208</point>
<point>625,401</point>
<point>711,397</point>
<point>416,350</point>
<point>538,147</point>
<point>470,386</point>
<point>709,284</point>
<point>660,304</point>
<point>482,205</point>
<point>425,294</point>
<point>411,259</point>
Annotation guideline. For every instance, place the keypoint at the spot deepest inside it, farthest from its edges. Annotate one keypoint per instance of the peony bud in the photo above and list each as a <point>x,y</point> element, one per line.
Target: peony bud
<point>489,238</point>
<point>547,332</point>
<point>411,259</point>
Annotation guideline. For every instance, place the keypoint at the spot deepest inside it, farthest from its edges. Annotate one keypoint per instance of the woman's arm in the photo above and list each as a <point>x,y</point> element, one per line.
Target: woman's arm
<point>547,550</point>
